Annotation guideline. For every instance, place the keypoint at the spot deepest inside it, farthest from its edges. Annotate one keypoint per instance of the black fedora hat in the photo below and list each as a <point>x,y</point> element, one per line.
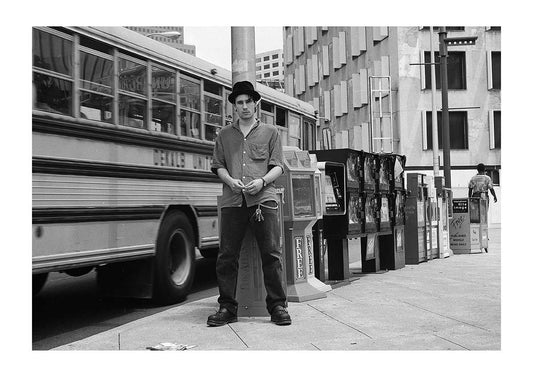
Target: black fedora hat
<point>243,87</point>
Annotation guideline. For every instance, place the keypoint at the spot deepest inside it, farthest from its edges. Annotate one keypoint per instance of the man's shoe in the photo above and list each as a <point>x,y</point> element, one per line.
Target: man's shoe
<point>221,318</point>
<point>280,316</point>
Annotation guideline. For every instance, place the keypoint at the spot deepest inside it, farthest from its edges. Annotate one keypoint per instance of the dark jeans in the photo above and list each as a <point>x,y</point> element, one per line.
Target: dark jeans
<point>234,223</point>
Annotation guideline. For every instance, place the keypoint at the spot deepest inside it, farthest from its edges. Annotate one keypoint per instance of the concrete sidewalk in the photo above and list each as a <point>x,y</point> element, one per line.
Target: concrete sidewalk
<point>443,304</point>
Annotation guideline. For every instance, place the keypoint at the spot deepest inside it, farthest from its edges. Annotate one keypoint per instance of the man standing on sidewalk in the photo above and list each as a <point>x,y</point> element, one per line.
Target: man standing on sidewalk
<point>247,158</point>
<point>479,187</point>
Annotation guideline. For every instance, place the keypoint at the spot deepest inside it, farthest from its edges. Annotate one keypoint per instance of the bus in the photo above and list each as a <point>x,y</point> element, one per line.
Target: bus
<point>123,130</point>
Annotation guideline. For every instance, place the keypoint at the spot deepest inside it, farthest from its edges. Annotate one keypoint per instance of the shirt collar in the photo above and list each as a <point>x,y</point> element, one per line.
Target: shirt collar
<point>256,124</point>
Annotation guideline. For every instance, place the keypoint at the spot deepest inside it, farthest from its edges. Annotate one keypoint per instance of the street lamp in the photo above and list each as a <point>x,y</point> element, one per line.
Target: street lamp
<point>168,34</point>
<point>444,42</point>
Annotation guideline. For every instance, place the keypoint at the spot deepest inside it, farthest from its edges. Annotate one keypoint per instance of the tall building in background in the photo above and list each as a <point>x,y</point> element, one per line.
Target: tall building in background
<point>269,68</point>
<point>173,42</point>
<point>339,69</point>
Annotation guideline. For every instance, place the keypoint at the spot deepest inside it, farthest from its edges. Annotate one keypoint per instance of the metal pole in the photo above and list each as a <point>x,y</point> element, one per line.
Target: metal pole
<point>434,120</point>
<point>443,53</point>
<point>243,54</point>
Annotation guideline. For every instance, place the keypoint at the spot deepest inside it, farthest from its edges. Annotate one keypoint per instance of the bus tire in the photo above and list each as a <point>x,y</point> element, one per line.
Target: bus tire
<point>38,281</point>
<point>174,259</point>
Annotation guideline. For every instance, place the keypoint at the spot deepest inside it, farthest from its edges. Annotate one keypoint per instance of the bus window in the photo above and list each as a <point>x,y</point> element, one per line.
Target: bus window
<point>52,94</point>
<point>132,111</point>
<point>52,55</point>
<point>309,135</point>
<point>213,116</point>
<point>190,124</point>
<point>163,101</point>
<point>189,93</point>
<point>294,130</point>
<point>132,80</point>
<point>267,115</point>
<point>96,93</point>
<point>229,111</point>
<point>281,116</point>
<point>190,107</point>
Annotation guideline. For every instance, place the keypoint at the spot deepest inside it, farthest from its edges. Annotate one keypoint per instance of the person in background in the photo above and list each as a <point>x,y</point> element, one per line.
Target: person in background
<point>247,157</point>
<point>479,187</point>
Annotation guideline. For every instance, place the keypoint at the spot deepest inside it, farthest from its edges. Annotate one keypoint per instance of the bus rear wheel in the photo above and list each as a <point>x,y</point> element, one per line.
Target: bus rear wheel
<point>174,259</point>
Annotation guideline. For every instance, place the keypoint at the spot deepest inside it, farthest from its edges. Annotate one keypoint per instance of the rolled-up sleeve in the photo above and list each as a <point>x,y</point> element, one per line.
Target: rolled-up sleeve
<point>276,157</point>
<point>218,156</point>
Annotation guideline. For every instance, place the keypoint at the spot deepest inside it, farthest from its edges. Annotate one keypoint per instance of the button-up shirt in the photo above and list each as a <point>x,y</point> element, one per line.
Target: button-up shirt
<point>247,158</point>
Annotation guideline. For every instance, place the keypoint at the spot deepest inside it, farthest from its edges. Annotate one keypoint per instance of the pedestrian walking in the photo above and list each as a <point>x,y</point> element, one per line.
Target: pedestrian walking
<point>248,158</point>
<point>480,184</point>
<point>479,187</point>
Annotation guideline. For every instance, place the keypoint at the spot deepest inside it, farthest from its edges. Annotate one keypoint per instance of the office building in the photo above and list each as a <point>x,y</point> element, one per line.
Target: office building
<point>372,92</point>
<point>269,68</point>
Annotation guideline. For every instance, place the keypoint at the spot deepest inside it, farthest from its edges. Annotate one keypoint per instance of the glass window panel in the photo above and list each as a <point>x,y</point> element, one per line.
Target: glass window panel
<point>294,126</point>
<point>211,132</point>
<point>456,70</point>
<point>52,52</point>
<point>267,118</point>
<point>280,117</point>
<point>267,106</point>
<point>96,73</point>
<point>163,84</point>
<point>496,69</point>
<point>212,87</point>
<point>189,93</point>
<point>52,94</point>
<point>302,199</point>
<point>498,129</point>
<point>190,124</point>
<point>132,111</point>
<point>458,129</point>
<point>96,107</point>
<point>132,76</point>
<point>163,117</point>
<point>213,110</point>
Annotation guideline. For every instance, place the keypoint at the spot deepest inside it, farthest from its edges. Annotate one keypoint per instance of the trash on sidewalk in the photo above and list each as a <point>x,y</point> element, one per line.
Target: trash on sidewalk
<point>165,346</point>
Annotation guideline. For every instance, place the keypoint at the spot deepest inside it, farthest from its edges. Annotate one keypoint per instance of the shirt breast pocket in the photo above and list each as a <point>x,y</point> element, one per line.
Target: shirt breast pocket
<point>258,151</point>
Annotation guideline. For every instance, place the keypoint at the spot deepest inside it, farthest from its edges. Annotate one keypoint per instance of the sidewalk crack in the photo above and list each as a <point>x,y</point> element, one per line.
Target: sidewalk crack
<point>238,336</point>
<point>445,316</point>
<point>448,340</point>
<point>335,319</point>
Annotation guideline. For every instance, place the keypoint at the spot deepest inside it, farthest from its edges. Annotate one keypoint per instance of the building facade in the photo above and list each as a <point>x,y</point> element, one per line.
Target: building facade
<point>269,68</point>
<point>173,42</point>
<point>372,91</point>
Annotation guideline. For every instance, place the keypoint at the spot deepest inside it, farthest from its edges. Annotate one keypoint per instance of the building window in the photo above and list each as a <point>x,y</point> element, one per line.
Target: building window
<point>494,174</point>
<point>275,56</point>
<point>266,58</point>
<point>456,70</point>
<point>496,69</point>
<point>274,65</point>
<point>275,73</point>
<point>458,129</point>
<point>266,66</point>
<point>267,74</point>
<point>258,60</point>
<point>495,129</point>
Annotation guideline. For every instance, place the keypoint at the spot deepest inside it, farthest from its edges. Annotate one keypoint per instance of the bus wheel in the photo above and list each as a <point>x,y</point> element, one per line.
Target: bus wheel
<point>38,281</point>
<point>174,259</point>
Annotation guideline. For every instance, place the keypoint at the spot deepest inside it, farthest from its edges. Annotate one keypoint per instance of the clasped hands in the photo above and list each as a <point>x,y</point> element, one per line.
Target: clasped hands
<point>252,188</point>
